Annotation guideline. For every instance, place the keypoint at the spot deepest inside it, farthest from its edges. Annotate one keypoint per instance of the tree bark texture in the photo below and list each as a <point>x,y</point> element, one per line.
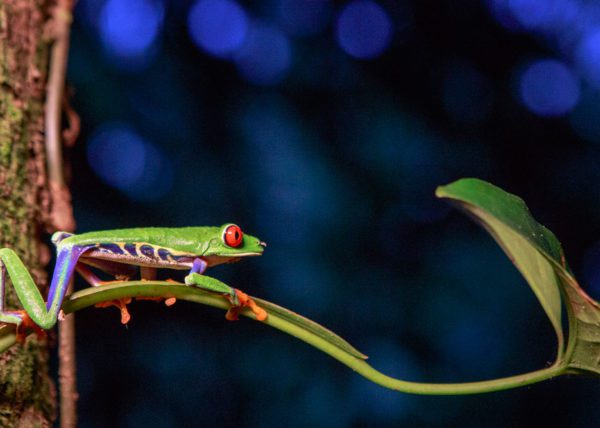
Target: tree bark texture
<point>27,394</point>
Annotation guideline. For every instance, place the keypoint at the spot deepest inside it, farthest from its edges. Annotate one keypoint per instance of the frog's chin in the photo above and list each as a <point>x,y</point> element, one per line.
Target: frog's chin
<point>218,260</point>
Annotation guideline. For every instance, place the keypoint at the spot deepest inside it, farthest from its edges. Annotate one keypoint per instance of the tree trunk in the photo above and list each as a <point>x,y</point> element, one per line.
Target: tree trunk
<point>27,394</point>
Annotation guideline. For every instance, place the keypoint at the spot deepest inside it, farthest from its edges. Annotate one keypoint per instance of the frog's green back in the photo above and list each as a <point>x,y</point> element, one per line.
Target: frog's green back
<point>205,241</point>
<point>185,239</point>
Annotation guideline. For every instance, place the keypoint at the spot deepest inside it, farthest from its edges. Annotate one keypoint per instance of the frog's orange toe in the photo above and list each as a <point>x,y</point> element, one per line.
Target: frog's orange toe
<point>26,325</point>
<point>260,313</point>
<point>245,302</point>
<point>121,304</point>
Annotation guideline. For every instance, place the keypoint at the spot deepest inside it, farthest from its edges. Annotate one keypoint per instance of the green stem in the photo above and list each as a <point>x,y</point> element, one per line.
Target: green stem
<point>367,371</point>
<point>294,325</point>
<point>465,388</point>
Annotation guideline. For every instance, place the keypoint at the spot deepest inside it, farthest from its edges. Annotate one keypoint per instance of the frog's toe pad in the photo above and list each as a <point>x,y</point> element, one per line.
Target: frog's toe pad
<point>121,304</point>
<point>245,301</point>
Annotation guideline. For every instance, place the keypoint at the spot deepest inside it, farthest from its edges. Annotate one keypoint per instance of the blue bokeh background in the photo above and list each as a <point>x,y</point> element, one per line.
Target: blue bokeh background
<point>323,127</point>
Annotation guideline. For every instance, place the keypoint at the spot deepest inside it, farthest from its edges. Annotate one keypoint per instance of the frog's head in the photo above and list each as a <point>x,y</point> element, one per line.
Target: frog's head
<point>230,244</point>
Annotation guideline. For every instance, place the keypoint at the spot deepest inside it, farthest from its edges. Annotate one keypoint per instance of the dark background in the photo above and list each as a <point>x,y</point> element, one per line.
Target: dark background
<point>323,128</point>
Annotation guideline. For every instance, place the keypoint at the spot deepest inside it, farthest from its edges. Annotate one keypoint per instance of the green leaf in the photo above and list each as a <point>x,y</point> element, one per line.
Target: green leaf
<point>584,329</point>
<point>309,326</point>
<point>538,255</point>
<point>528,244</point>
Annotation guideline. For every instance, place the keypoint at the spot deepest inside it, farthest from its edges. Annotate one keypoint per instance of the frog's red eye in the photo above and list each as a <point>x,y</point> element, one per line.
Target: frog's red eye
<point>233,236</point>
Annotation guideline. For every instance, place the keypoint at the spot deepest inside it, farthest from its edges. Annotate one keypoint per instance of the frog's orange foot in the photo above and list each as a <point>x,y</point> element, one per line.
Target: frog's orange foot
<point>26,325</point>
<point>121,304</point>
<point>245,302</point>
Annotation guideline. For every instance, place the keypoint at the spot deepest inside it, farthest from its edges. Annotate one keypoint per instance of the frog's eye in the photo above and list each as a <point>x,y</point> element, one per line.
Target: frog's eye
<point>233,236</point>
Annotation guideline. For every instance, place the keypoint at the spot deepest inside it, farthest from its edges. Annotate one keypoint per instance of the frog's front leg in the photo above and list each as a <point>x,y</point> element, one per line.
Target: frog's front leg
<point>198,266</point>
<point>237,298</point>
<point>210,284</point>
<point>196,279</point>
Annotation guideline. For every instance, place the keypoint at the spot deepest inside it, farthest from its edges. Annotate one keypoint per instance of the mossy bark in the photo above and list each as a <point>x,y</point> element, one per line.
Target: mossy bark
<point>27,394</point>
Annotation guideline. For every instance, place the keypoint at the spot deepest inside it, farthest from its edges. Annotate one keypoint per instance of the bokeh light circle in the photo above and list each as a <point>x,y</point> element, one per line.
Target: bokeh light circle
<point>265,57</point>
<point>129,28</point>
<point>535,14</point>
<point>501,12</point>
<point>218,27</point>
<point>363,29</point>
<point>548,88</point>
<point>117,156</point>
<point>587,55</point>
<point>125,160</point>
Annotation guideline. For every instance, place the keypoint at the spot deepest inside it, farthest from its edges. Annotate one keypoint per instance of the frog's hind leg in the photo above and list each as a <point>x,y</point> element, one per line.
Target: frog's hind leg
<point>87,274</point>
<point>122,272</point>
<point>42,313</point>
<point>12,317</point>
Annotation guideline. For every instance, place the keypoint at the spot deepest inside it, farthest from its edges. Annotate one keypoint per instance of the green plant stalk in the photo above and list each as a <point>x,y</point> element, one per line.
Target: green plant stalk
<point>91,296</point>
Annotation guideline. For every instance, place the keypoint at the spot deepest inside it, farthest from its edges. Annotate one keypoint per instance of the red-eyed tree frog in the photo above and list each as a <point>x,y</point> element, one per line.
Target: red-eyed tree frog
<point>119,253</point>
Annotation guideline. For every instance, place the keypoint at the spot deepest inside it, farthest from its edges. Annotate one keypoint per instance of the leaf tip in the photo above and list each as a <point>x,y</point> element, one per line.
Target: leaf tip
<point>440,192</point>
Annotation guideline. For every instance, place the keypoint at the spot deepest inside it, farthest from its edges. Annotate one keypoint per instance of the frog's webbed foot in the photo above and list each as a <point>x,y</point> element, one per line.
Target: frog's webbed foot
<point>121,304</point>
<point>244,301</point>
